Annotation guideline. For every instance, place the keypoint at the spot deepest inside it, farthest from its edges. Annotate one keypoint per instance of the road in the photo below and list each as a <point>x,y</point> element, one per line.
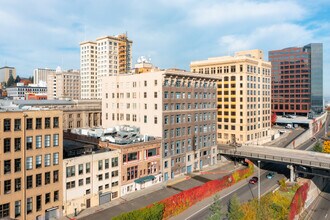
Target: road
<point>245,193</point>
<point>321,206</point>
<point>307,145</point>
<point>284,141</point>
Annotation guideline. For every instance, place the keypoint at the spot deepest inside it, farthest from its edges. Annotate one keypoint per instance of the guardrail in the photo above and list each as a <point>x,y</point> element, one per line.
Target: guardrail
<point>296,161</point>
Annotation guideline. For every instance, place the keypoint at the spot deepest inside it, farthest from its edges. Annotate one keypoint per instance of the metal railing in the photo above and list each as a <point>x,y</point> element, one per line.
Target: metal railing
<point>311,163</point>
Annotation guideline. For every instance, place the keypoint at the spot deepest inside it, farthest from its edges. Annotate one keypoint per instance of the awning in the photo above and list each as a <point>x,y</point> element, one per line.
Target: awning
<point>144,179</point>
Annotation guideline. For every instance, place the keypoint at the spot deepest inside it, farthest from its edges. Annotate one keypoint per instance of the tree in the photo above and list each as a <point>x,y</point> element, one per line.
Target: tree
<point>234,209</point>
<point>273,119</point>
<point>318,147</point>
<point>10,81</point>
<point>326,147</point>
<point>216,209</point>
<point>31,78</point>
<point>18,79</point>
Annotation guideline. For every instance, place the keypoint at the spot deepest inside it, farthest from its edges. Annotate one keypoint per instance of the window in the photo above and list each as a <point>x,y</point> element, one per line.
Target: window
<point>145,95</point>
<point>81,169</point>
<point>47,198</point>
<point>17,144</point>
<point>113,184</point>
<point>7,166</point>
<point>70,171</point>
<point>29,163</point>
<point>100,165</point>
<point>38,200</point>
<point>29,205</point>
<point>38,141</point>
<point>38,161</point>
<point>70,185</point>
<point>4,210</point>
<point>38,123</point>
<point>106,176</point>
<point>88,180</point>
<point>47,178</point>
<point>18,165</point>
<point>55,176</point>
<point>47,122</point>
<point>56,121</point>
<point>7,186</point>
<point>114,173</point>
<point>6,145</point>
<point>151,152</point>
<point>145,119</point>
<point>18,184</point>
<point>55,140</point>
<point>47,160</point>
<point>17,126</point>
<point>29,182</point>
<point>6,124</point>
<point>155,94</point>
<point>38,180</point>
<point>155,120</point>
<point>56,195</point>
<point>132,172</point>
<point>29,143</point>
<point>17,209</point>
<point>47,140</point>
<point>88,191</point>
<point>106,164</point>
<point>88,167</point>
<point>29,124</point>
<point>100,177</point>
<point>55,158</point>
<point>114,162</point>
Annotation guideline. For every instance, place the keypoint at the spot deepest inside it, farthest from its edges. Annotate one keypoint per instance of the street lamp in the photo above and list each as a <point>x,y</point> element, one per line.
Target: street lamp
<point>259,183</point>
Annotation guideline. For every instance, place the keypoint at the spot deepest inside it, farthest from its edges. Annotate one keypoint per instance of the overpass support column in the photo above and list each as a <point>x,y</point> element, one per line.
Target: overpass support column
<point>292,174</point>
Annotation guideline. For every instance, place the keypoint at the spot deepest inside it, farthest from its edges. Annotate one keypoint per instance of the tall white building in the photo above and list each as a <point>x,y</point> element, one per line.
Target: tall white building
<point>41,74</point>
<point>106,56</point>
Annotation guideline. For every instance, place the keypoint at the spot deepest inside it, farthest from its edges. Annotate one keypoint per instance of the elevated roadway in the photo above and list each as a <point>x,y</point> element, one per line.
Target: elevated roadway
<point>283,155</point>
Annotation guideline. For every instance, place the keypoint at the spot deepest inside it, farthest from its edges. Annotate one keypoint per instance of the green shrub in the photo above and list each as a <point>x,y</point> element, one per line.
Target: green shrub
<point>153,212</point>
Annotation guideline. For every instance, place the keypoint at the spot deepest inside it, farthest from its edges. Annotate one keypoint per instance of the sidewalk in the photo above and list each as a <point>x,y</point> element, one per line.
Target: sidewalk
<point>153,193</point>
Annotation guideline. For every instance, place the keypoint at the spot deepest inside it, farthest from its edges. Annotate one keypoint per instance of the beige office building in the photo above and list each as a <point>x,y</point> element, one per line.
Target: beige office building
<point>5,73</point>
<point>31,164</point>
<point>76,113</point>
<point>178,106</point>
<point>107,56</point>
<point>40,74</point>
<point>244,91</point>
<point>63,84</point>
<point>90,180</point>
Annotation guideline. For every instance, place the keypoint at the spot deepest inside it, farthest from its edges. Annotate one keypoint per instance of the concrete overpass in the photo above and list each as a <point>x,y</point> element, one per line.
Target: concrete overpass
<point>290,157</point>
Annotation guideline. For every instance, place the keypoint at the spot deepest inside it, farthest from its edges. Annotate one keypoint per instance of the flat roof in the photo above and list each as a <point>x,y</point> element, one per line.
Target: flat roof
<point>296,120</point>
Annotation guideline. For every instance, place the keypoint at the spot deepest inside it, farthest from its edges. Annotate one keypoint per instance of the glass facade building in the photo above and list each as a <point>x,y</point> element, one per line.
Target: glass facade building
<point>297,79</point>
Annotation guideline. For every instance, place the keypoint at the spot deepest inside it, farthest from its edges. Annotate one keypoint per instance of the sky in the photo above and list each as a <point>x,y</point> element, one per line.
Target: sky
<point>47,33</point>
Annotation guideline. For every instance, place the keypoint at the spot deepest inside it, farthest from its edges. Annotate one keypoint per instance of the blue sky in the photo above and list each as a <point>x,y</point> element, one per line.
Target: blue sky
<point>46,33</point>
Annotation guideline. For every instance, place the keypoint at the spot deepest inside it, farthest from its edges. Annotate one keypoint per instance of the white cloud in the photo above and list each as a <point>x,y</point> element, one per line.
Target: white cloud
<point>249,12</point>
<point>268,38</point>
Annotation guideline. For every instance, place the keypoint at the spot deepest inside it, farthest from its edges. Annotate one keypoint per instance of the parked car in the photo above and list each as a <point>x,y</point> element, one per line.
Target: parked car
<point>270,175</point>
<point>253,180</point>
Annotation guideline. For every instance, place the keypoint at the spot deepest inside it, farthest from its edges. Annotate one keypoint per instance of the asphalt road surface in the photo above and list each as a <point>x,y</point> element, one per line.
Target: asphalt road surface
<point>321,209</point>
<point>307,145</point>
<point>246,192</point>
